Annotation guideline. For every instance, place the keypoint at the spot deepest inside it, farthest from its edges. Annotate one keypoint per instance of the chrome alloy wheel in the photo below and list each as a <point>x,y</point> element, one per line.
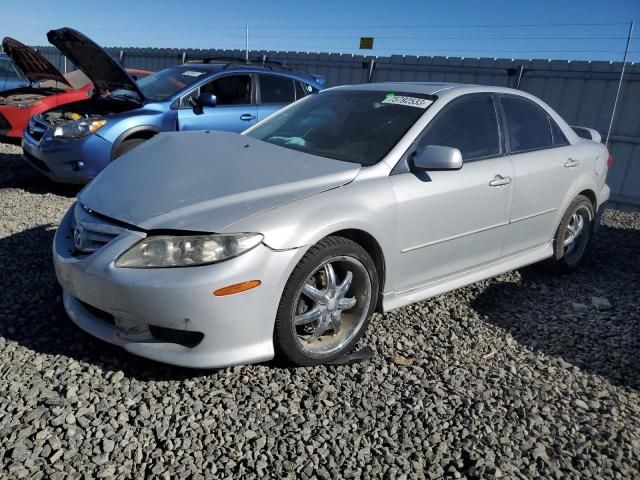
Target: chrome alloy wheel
<point>577,234</point>
<point>331,306</point>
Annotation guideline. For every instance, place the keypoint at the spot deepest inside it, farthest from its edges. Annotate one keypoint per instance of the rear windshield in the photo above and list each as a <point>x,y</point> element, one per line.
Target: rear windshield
<point>353,126</point>
<point>166,83</point>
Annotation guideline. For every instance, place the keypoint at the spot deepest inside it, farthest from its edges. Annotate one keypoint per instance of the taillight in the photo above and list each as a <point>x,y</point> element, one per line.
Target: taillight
<point>610,161</point>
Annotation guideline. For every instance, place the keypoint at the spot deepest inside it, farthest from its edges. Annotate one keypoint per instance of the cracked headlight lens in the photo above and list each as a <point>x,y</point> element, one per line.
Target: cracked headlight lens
<point>161,251</point>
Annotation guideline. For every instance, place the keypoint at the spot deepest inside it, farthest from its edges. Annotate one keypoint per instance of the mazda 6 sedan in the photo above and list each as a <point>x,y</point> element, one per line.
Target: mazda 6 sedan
<point>207,249</point>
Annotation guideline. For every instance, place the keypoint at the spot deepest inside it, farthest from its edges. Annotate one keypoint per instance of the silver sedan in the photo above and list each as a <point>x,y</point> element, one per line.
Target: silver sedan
<point>207,249</point>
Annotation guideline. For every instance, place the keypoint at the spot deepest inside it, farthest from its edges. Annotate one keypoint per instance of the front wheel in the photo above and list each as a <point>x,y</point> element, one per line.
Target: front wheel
<point>573,237</point>
<point>327,303</point>
<point>128,145</point>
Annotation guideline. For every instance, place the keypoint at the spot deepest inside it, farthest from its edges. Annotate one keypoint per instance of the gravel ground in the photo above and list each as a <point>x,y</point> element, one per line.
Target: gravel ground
<point>520,376</point>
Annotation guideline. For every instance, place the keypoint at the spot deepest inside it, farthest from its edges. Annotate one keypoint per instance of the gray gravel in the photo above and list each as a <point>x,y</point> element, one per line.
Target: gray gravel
<point>521,376</point>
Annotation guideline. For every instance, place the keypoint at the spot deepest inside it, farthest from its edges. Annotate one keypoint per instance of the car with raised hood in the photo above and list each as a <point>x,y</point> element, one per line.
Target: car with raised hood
<point>73,143</point>
<point>47,88</point>
<point>286,238</point>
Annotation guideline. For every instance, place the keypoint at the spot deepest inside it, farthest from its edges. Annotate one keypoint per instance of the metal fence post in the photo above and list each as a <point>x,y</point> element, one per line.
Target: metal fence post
<point>372,66</point>
<point>615,103</point>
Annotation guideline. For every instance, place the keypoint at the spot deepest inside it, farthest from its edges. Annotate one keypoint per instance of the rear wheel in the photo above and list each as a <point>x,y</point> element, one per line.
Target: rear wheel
<point>573,237</point>
<point>327,303</point>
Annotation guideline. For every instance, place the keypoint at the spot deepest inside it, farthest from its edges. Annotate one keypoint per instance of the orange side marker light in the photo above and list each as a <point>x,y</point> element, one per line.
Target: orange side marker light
<point>237,288</point>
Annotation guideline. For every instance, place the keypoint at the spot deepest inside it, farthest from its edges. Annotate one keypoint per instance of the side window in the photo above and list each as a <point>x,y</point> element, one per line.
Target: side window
<point>468,124</point>
<point>559,138</point>
<point>231,90</point>
<point>529,127</point>
<point>274,89</point>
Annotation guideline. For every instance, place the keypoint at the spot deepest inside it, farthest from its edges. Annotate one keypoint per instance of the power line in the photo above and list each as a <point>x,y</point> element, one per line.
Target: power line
<point>504,25</point>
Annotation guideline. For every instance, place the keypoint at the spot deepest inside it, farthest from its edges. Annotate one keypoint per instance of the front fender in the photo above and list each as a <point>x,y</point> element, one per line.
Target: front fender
<point>368,205</point>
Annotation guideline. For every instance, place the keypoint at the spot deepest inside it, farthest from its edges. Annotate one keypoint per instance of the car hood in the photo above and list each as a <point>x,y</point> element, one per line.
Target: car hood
<point>206,181</point>
<point>32,64</point>
<point>105,73</point>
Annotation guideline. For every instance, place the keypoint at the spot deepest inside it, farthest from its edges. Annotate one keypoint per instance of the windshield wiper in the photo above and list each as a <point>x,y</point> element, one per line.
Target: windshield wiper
<point>127,98</point>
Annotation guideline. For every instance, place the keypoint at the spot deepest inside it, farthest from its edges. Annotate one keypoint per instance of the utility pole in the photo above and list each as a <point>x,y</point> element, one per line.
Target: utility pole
<point>246,44</point>
<point>624,64</point>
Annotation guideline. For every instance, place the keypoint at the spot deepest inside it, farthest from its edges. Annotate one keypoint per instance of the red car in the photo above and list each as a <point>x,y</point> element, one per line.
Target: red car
<point>48,89</point>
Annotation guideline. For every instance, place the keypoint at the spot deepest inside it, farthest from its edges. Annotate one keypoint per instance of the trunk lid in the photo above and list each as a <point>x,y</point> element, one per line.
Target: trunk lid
<point>105,73</point>
<point>203,181</point>
<point>33,65</point>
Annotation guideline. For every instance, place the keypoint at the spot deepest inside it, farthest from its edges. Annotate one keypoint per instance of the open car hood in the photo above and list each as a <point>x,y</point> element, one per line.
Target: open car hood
<point>34,65</point>
<point>105,73</point>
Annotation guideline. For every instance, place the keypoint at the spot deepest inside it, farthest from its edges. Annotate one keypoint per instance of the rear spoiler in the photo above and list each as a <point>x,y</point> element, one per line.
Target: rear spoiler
<point>588,133</point>
<point>321,79</point>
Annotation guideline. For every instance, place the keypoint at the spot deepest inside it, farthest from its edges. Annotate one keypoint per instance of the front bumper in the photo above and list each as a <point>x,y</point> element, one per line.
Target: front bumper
<point>237,328</point>
<point>68,161</point>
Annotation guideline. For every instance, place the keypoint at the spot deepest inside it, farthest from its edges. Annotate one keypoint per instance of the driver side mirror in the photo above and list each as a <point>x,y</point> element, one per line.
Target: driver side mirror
<point>205,99</point>
<point>437,157</point>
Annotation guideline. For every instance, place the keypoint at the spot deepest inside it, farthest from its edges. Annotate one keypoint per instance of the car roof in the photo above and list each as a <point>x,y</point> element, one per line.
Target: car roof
<point>217,66</point>
<point>432,88</point>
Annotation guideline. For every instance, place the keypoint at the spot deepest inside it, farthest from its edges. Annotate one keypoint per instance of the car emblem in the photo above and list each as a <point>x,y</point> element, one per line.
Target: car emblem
<point>79,236</point>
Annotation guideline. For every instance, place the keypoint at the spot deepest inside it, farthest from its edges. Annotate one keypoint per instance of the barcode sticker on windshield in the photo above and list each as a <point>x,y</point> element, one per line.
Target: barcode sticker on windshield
<point>407,101</point>
<point>192,73</point>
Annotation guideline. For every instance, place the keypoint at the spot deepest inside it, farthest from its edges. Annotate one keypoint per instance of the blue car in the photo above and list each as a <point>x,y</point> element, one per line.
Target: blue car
<point>74,142</point>
<point>10,75</point>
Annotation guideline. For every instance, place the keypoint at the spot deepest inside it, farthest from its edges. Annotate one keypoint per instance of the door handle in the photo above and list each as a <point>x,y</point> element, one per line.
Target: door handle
<point>571,162</point>
<point>499,181</point>
<point>247,117</point>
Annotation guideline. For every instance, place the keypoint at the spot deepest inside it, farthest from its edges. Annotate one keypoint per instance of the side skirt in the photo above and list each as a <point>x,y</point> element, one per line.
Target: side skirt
<point>392,300</point>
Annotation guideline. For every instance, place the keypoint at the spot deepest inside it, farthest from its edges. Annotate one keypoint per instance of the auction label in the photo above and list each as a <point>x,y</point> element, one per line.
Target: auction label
<point>192,73</point>
<point>407,101</point>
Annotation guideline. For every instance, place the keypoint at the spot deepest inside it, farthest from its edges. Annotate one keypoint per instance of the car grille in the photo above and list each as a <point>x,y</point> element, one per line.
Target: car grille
<point>91,231</point>
<point>4,123</point>
<point>37,128</point>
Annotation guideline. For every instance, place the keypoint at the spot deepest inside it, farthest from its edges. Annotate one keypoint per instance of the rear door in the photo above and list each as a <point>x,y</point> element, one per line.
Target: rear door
<point>452,221</point>
<point>274,92</point>
<point>544,170</point>
<point>235,110</point>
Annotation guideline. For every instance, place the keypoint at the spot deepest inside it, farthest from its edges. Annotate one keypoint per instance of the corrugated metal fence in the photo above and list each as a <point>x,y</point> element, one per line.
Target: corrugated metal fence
<point>582,92</point>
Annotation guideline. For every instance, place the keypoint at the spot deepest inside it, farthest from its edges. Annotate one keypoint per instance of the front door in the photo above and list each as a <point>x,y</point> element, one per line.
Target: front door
<point>452,221</point>
<point>235,109</point>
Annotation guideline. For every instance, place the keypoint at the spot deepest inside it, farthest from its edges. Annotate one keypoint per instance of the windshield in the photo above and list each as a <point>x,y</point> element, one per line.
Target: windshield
<point>166,83</point>
<point>353,126</point>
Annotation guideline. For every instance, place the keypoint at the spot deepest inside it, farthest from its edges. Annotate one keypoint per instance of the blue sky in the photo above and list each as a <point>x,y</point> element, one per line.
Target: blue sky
<point>560,29</point>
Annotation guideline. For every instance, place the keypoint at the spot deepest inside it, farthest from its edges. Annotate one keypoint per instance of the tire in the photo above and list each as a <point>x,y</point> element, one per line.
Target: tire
<point>567,257</point>
<point>339,310</point>
<point>128,145</point>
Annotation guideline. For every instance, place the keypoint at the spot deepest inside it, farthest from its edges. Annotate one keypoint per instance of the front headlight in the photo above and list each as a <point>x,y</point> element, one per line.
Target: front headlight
<point>78,129</point>
<point>160,251</point>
